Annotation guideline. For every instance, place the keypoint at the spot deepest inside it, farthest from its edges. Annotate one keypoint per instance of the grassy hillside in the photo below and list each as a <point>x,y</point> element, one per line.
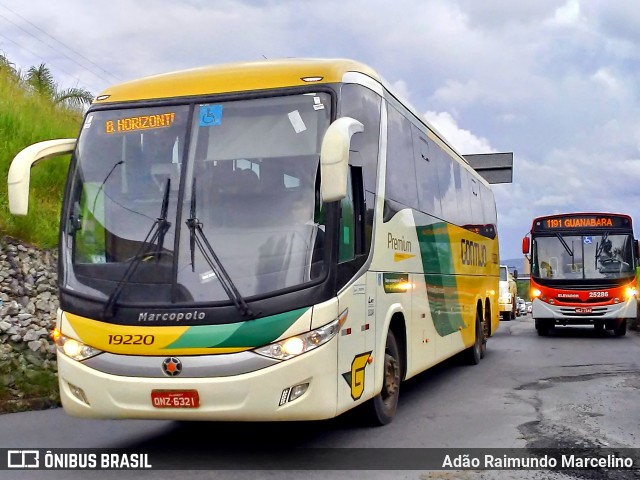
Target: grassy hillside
<point>26,118</point>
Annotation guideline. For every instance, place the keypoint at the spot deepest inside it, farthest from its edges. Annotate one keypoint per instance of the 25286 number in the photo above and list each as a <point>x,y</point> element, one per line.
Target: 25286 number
<point>598,294</point>
<point>131,339</point>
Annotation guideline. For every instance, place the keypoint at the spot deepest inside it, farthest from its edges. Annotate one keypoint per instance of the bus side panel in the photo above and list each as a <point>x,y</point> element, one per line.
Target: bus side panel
<point>396,258</point>
<point>448,303</point>
<point>452,270</point>
<point>355,371</point>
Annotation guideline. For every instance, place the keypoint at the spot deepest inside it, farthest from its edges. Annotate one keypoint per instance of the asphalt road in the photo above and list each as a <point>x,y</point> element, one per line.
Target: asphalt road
<point>574,389</point>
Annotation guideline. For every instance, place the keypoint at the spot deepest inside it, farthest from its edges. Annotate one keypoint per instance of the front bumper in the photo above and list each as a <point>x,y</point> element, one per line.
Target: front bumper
<point>253,396</point>
<point>567,315</point>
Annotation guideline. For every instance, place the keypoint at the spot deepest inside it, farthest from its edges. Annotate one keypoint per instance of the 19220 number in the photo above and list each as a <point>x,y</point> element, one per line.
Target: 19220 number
<point>131,339</point>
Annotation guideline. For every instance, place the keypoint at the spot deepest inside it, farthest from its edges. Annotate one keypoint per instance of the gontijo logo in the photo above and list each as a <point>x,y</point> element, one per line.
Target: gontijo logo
<point>472,253</point>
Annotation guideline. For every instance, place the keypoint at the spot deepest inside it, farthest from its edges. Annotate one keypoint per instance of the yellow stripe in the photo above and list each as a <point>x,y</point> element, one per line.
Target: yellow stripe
<point>110,338</point>
<point>397,257</point>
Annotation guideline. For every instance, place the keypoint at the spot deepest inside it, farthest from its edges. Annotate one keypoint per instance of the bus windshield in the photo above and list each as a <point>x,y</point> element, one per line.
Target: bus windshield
<point>504,274</point>
<point>244,173</point>
<point>570,257</point>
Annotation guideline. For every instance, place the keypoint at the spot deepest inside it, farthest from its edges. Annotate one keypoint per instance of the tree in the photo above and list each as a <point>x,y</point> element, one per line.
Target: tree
<point>8,68</point>
<point>40,80</point>
<point>74,97</point>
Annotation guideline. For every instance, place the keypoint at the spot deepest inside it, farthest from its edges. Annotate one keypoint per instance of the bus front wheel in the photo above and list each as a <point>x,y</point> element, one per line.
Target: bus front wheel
<point>621,328</point>
<point>542,326</point>
<point>382,407</point>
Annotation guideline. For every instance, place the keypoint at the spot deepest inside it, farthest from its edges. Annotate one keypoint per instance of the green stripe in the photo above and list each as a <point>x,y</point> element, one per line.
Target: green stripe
<point>443,303</point>
<point>248,334</point>
<point>435,248</point>
<point>437,262</point>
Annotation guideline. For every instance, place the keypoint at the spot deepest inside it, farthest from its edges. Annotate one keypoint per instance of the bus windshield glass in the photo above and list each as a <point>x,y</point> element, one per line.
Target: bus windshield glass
<point>571,257</point>
<point>242,174</point>
<point>504,274</point>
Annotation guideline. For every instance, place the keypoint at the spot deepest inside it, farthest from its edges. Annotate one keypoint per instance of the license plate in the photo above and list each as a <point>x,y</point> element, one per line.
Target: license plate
<point>583,310</point>
<point>175,398</point>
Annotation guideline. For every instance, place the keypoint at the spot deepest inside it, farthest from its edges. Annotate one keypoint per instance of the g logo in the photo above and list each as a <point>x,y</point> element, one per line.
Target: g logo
<point>355,378</point>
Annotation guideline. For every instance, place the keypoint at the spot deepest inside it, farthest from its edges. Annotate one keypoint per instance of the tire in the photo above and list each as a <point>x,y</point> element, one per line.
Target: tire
<point>382,408</point>
<point>485,338</point>
<point>621,328</point>
<point>542,327</point>
<point>506,316</point>
<point>474,353</point>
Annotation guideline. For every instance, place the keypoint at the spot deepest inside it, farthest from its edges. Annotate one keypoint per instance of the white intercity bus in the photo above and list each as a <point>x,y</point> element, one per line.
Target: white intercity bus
<point>278,240</point>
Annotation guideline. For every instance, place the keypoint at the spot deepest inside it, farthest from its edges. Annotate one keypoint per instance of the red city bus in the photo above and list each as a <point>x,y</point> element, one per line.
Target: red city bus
<point>583,270</point>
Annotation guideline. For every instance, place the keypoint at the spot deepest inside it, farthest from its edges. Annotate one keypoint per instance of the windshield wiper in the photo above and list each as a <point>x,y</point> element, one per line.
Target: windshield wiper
<point>600,246</point>
<point>197,237</point>
<point>565,245</point>
<point>156,236</point>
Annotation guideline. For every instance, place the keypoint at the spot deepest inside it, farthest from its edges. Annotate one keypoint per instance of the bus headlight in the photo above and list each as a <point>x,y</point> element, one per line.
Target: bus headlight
<point>73,348</point>
<point>299,344</point>
<point>630,292</point>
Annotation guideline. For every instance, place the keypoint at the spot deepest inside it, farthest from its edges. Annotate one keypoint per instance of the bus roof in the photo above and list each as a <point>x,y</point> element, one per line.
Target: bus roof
<point>234,77</point>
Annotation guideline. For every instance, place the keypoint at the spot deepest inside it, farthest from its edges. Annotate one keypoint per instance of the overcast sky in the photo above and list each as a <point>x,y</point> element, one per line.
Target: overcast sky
<point>555,82</point>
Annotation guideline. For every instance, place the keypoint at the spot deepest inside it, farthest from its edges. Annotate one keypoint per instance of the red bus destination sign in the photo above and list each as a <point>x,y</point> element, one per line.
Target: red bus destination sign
<point>583,221</point>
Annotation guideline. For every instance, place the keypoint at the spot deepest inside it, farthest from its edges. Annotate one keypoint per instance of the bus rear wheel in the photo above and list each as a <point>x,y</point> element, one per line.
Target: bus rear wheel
<point>475,352</point>
<point>382,407</point>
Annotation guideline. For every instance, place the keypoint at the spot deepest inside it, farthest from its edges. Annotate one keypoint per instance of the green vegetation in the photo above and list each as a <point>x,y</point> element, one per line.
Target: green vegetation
<point>27,388</point>
<point>523,289</point>
<point>32,109</point>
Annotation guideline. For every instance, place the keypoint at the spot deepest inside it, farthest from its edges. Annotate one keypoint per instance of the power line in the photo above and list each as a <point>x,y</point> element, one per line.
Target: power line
<point>38,56</point>
<point>60,43</point>
<point>63,44</point>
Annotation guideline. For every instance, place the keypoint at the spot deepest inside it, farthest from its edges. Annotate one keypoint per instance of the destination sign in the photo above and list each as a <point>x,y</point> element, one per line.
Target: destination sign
<point>582,221</point>
<point>141,122</point>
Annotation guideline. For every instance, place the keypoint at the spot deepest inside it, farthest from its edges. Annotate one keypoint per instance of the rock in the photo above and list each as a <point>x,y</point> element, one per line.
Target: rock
<point>28,305</point>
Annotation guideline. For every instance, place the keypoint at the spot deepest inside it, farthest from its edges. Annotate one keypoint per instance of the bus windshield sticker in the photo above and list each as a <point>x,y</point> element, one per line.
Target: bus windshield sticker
<point>588,240</point>
<point>207,276</point>
<point>141,122</point>
<point>317,104</point>
<point>87,123</point>
<point>296,121</point>
<point>210,115</point>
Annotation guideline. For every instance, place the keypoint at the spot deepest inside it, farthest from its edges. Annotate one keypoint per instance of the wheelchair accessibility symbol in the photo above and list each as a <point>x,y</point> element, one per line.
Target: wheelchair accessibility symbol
<point>210,115</point>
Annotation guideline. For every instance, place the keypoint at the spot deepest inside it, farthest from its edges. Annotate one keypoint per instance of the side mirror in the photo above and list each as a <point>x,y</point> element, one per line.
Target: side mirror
<point>20,170</point>
<point>515,274</point>
<point>334,158</point>
<point>525,245</point>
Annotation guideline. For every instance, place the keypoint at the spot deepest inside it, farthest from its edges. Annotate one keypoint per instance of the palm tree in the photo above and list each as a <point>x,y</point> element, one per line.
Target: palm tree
<point>8,68</point>
<point>74,97</point>
<point>40,80</point>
